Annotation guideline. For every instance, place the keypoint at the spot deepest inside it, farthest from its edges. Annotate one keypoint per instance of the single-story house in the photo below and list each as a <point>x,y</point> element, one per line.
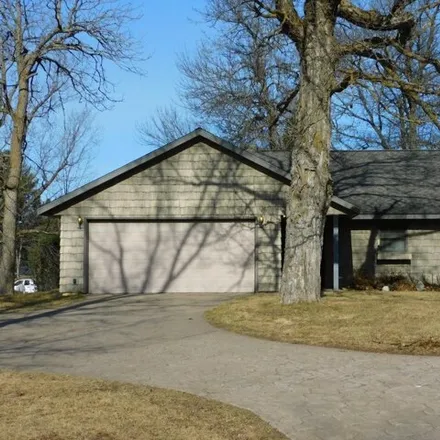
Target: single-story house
<point>200,215</point>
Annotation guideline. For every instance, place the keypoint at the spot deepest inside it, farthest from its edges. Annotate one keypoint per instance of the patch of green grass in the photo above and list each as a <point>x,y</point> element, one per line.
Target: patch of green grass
<point>27,302</point>
<point>396,322</point>
<point>55,407</point>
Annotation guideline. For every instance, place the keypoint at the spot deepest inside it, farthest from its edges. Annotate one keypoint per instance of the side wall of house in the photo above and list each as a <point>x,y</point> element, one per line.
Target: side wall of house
<point>198,183</point>
<point>421,260</point>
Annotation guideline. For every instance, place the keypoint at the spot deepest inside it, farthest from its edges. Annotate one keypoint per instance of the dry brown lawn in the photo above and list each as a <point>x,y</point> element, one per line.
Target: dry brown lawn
<point>53,407</point>
<point>395,322</point>
<point>27,302</point>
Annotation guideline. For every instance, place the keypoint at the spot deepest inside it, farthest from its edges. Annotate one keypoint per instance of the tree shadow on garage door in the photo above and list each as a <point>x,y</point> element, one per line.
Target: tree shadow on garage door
<point>176,256</point>
<point>187,224</point>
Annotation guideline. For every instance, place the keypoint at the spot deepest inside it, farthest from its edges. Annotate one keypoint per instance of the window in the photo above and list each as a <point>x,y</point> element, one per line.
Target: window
<point>393,241</point>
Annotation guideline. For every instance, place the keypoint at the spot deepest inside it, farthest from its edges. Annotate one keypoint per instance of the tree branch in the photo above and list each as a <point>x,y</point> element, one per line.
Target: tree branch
<point>291,23</point>
<point>397,20</point>
<point>393,81</point>
<point>365,46</point>
<point>351,77</point>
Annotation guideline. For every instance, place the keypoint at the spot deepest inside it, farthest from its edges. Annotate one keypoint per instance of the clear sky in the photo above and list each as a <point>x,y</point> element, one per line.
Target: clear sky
<point>168,27</point>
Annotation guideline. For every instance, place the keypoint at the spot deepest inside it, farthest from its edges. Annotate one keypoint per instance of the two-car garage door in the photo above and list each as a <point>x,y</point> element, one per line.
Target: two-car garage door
<point>152,257</point>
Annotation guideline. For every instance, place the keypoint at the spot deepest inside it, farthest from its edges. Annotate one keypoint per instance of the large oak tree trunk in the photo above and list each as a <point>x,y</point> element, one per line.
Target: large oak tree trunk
<point>310,191</point>
<point>10,193</point>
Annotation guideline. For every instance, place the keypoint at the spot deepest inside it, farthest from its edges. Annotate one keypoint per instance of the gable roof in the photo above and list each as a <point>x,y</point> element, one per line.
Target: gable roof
<point>150,159</point>
<point>272,163</point>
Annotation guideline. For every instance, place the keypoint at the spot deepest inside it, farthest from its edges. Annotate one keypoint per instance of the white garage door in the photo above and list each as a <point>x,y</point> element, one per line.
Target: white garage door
<point>149,257</point>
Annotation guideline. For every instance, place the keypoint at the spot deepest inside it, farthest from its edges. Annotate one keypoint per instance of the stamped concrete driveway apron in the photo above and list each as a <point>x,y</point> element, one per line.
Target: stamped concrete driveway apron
<point>306,392</point>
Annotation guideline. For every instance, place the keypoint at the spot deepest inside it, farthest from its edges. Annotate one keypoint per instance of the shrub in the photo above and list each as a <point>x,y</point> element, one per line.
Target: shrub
<point>396,282</point>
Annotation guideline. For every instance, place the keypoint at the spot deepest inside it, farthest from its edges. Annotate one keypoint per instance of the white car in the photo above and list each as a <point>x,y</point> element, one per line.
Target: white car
<point>25,285</point>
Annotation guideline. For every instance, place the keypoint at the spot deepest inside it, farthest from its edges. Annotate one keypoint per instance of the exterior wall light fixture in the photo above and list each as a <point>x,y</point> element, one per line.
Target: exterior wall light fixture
<point>261,220</point>
<point>80,222</point>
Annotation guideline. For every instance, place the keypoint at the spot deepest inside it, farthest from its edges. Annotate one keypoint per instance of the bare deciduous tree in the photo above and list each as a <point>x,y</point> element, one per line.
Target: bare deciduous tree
<point>338,45</point>
<point>167,125</point>
<point>57,158</point>
<point>241,83</point>
<point>372,115</point>
<point>50,52</point>
<point>60,152</point>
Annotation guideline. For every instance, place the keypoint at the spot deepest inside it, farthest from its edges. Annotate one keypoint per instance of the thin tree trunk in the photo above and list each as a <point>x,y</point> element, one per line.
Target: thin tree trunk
<point>411,126</point>
<point>10,192</point>
<point>18,258</point>
<point>311,191</point>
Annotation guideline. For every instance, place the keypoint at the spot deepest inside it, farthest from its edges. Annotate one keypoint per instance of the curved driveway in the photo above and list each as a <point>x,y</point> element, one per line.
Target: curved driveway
<point>307,392</point>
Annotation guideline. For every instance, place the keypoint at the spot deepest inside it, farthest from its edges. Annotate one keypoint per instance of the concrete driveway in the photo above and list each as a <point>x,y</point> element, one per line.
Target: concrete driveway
<point>307,392</point>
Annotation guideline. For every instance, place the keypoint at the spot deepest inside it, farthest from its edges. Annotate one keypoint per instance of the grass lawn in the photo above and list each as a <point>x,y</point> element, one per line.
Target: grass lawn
<point>27,302</point>
<point>53,407</point>
<point>395,322</point>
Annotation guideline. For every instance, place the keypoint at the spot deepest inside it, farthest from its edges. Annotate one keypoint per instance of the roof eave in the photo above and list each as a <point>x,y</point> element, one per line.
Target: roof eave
<point>344,206</point>
<point>398,217</point>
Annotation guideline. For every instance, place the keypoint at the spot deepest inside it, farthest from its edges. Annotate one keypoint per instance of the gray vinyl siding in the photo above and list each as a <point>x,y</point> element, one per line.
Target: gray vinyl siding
<point>197,183</point>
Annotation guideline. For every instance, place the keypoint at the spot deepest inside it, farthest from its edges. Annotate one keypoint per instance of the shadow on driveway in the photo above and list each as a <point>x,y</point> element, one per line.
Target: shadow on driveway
<point>31,316</point>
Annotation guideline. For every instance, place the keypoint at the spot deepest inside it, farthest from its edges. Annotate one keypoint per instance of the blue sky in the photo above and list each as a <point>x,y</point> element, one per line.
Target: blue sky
<point>167,28</point>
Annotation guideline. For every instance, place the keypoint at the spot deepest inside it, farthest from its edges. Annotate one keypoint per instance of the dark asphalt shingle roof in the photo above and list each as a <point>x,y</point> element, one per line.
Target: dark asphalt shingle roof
<point>382,183</point>
<point>388,182</point>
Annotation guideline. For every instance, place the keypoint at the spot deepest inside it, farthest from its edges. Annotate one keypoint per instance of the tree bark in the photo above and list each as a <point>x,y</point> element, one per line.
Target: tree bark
<point>411,140</point>
<point>310,191</point>
<point>10,192</point>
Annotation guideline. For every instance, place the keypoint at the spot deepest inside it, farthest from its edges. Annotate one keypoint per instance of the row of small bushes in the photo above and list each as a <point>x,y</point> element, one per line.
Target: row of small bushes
<point>396,282</point>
